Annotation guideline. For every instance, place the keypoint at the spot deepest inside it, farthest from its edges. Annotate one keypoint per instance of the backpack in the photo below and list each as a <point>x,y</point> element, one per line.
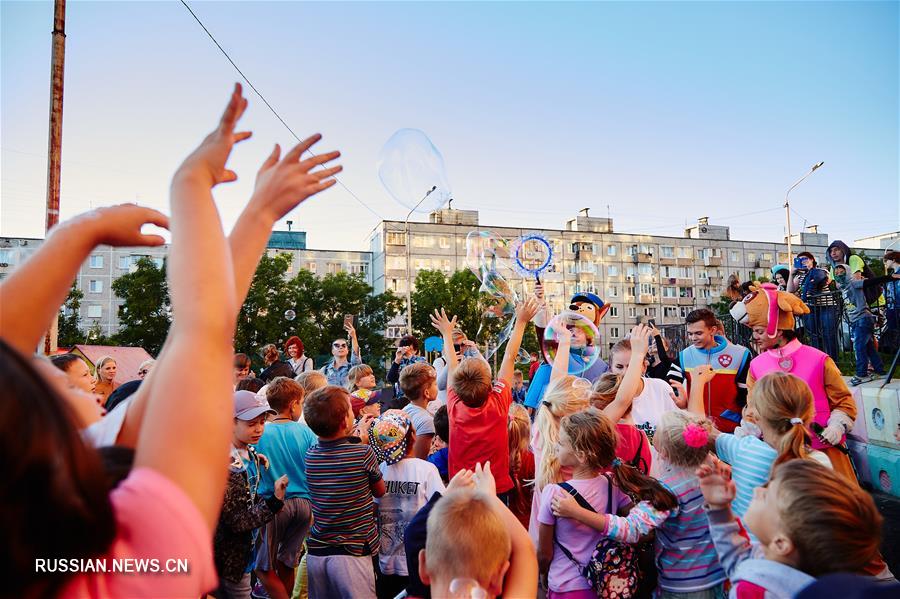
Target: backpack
<point>612,569</point>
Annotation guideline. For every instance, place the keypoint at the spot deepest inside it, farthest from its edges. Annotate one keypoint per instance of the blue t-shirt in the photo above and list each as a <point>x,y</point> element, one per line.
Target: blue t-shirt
<point>751,462</point>
<point>541,377</point>
<point>440,459</point>
<point>285,443</point>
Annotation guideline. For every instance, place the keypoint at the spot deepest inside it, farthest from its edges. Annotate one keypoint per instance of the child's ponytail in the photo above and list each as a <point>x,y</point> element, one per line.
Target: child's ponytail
<point>562,398</point>
<point>592,433</point>
<point>641,487</point>
<point>785,403</point>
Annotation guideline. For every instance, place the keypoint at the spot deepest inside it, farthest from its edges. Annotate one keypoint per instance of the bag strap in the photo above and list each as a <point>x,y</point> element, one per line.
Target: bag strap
<point>636,460</point>
<point>583,503</point>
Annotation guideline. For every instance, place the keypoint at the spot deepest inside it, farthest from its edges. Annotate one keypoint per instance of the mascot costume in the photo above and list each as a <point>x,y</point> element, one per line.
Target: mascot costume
<point>833,404</point>
<point>591,307</point>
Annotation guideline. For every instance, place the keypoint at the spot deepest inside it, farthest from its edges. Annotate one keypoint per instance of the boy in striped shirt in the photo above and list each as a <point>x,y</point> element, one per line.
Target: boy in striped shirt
<point>343,478</point>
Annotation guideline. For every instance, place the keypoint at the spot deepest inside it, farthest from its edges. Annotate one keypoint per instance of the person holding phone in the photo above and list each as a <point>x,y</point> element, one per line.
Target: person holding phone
<point>345,355</point>
<point>407,353</point>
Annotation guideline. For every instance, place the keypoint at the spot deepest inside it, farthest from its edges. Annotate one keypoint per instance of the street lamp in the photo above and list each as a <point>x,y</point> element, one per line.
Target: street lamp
<point>787,210</point>
<point>408,282</point>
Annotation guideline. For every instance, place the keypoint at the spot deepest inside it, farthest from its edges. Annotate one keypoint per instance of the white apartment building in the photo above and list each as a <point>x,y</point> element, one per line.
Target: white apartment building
<point>638,275</point>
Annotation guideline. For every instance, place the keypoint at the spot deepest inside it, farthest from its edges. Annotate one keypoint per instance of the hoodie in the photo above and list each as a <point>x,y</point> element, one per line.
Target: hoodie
<point>853,290</point>
<point>750,573</point>
<point>856,263</point>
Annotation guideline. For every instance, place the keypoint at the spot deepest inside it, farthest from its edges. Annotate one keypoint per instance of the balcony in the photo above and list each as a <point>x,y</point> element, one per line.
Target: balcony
<point>684,281</point>
<point>715,280</point>
<point>667,261</point>
<point>763,263</point>
<point>684,261</point>
<point>641,257</point>
<point>644,298</point>
<point>669,301</point>
<point>685,301</point>
<point>713,261</point>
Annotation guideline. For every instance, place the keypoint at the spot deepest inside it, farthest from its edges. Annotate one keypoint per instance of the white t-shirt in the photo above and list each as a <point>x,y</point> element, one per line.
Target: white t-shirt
<point>409,483</point>
<point>105,431</point>
<point>422,421</point>
<point>648,407</point>
<point>439,365</point>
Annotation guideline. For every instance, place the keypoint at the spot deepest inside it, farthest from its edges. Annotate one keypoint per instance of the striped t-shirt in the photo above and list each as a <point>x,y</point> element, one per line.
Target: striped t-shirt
<point>685,552</point>
<point>751,461</point>
<point>339,474</point>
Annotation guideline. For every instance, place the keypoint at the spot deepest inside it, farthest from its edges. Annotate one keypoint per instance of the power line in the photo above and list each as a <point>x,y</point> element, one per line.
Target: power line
<point>266,102</point>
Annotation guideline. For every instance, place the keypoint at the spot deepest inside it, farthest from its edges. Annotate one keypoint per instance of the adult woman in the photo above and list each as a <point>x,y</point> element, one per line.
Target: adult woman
<point>275,366</point>
<point>339,366</point>
<point>105,375</point>
<point>297,359</point>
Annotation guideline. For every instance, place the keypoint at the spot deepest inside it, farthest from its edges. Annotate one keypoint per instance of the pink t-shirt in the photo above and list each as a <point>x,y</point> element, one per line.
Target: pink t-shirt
<point>155,520</point>
<point>578,538</point>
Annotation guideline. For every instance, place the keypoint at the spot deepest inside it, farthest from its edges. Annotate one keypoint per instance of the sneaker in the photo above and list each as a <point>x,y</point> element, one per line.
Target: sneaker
<point>856,381</point>
<point>259,591</point>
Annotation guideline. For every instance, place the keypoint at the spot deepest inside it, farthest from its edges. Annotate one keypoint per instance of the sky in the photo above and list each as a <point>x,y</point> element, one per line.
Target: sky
<point>654,113</point>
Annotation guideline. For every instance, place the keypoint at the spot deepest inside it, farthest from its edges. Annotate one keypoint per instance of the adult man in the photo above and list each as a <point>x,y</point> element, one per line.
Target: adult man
<point>337,369</point>
<point>726,395</point>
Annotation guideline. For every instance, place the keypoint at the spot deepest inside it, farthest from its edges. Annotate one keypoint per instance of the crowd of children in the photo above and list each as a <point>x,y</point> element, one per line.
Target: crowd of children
<point>709,475</point>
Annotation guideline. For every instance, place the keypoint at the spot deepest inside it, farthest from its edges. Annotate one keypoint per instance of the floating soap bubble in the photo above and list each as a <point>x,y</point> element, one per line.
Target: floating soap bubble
<point>412,170</point>
<point>290,315</point>
<point>523,357</point>
<point>585,347</point>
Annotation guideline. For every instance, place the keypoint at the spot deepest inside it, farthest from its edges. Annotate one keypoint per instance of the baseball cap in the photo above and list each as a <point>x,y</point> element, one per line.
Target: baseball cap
<point>387,435</point>
<point>249,405</point>
<point>362,398</point>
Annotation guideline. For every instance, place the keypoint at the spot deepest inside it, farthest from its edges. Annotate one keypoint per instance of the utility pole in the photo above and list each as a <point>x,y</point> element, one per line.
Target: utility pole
<point>54,153</point>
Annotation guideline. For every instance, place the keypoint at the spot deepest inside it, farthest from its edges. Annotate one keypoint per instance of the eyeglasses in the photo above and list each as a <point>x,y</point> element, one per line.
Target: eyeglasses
<point>143,372</point>
<point>338,345</point>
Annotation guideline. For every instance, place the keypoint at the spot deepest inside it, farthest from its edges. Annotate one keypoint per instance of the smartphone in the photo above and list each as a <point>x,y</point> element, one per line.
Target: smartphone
<point>651,323</point>
<point>798,263</point>
<point>348,320</point>
<point>457,347</point>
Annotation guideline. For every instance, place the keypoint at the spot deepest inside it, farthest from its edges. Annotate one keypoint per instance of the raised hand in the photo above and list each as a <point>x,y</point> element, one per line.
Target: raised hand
<point>563,505</point>
<point>484,479</point>
<point>526,310</point>
<point>640,340</point>
<point>703,373</point>
<point>282,185</point>
<point>717,488</point>
<point>443,323</point>
<point>119,226</point>
<point>207,162</point>
<point>461,480</point>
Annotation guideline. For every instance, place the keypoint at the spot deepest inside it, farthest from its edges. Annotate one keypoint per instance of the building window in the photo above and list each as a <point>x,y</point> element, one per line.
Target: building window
<point>95,311</point>
<point>647,289</point>
<point>670,311</point>
<point>685,292</point>
<point>124,262</point>
<point>684,252</point>
<point>95,286</point>
<point>359,268</point>
<point>614,332</point>
<point>444,243</point>
<point>683,311</point>
<point>632,312</point>
<point>613,291</point>
<point>645,269</point>
<point>395,238</point>
<point>666,251</point>
<point>751,256</point>
<point>96,261</point>
<point>735,256</point>
<point>423,241</point>
<point>767,256</point>
<point>612,270</point>
<point>611,250</point>
<point>311,267</point>
<point>705,293</point>
<point>668,291</point>
<point>396,263</point>
<point>702,275</point>
<point>333,268</point>
<point>614,311</point>
<point>6,256</point>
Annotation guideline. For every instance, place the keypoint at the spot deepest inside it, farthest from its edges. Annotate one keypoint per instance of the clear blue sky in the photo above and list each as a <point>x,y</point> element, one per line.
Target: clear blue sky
<point>663,111</point>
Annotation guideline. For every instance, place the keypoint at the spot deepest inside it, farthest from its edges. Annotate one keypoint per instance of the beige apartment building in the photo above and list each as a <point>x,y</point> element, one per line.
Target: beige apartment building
<point>638,275</point>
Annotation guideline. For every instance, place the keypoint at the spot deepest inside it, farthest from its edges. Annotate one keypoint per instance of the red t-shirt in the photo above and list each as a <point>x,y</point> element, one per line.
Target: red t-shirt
<point>480,434</point>
<point>632,439</point>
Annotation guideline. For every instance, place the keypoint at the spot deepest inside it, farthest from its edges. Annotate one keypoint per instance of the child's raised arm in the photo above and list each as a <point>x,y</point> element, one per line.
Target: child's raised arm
<point>561,360</point>
<point>631,381</point>
<point>525,311</point>
<point>699,378</point>
<point>641,520</point>
<point>33,293</point>
<point>445,325</point>
<point>201,275</point>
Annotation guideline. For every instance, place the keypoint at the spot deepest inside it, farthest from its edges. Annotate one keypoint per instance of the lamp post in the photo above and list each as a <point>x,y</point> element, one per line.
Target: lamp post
<point>408,282</point>
<point>787,210</point>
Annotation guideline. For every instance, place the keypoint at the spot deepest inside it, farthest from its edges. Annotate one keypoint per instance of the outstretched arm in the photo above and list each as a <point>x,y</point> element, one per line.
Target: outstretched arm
<point>33,293</point>
<point>525,311</point>
<point>445,325</point>
<point>200,271</point>
<point>561,360</point>
<point>631,381</point>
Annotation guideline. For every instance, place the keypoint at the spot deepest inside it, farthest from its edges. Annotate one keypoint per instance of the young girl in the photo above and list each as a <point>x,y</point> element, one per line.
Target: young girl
<point>810,522</point>
<point>105,375</point>
<point>361,376</point>
<point>633,446</point>
<point>521,463</point>
<point>587,444</point>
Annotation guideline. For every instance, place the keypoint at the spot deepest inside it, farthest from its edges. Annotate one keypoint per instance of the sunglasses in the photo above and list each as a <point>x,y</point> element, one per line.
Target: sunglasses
<point>143,372</point>
<point>338,345</point>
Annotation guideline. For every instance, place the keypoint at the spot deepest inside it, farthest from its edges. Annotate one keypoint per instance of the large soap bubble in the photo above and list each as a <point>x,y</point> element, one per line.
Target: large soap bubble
<point>585,347</point>
<point>290,315</point>
<point>412,170</point>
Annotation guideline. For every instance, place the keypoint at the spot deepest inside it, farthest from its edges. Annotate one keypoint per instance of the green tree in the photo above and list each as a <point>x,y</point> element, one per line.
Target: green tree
<point>261,319</point>
<point>95,336</point>
<point>458,295</point>
<point>68,333</point>
<point>145,315</point>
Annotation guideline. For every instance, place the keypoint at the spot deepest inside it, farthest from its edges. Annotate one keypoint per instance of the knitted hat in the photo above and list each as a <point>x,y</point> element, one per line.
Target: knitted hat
<point>387,435</point>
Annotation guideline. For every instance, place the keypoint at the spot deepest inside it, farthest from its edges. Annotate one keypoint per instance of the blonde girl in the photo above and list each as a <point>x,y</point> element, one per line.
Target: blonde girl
<point>105,374</point>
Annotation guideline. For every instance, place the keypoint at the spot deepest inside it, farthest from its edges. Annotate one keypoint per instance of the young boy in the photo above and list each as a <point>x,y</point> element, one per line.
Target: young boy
<point>478,412</point>
<point>243,510</point>
<point>343,478</point>
<point>410,483</point>
<point>285,443</point>
<point>518,389</point>
<point>474,540</point>
<point>418,381</point>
